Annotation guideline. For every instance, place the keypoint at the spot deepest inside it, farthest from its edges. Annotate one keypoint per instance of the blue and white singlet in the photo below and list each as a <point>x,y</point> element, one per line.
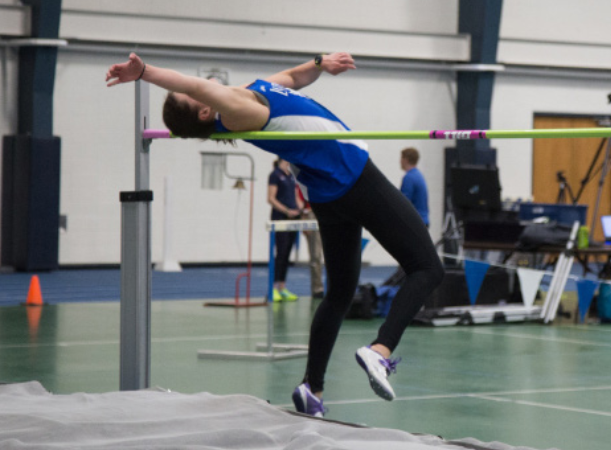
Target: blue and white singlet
<point>325,169</point>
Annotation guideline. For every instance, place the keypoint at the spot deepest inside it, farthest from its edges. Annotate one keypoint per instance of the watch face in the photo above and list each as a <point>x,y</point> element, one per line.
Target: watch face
<point>318,60</point>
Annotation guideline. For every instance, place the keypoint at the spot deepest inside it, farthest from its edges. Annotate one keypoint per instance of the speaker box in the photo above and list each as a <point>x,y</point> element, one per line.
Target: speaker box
<point>503,231</point>
<point>30,202</point>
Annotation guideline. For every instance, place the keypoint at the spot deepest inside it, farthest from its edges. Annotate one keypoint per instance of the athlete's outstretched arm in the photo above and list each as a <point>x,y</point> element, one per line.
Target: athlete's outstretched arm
<point>225,99</point>
<point>307,73</point>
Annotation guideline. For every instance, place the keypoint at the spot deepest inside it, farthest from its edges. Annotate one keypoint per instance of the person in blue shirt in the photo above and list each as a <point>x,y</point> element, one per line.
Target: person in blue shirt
<point>346,191</point>
<point>282,196</point>
<point>413,185</point>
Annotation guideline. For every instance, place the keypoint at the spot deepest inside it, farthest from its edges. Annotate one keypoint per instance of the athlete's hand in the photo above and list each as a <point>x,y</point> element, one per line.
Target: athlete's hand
<point>292,213</point>
<point>125,72</point>
<point>337,63</point>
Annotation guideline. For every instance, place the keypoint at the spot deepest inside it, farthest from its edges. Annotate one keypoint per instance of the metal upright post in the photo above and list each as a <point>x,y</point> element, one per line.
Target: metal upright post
<point>136,261</point>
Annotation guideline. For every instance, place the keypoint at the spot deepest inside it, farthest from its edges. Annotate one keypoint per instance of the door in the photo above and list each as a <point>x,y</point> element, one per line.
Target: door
<point>571,158</point>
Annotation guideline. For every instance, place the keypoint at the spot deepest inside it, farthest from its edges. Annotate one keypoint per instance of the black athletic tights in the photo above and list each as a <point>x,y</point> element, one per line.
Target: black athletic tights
<point>284,245</point>
<point>375,204</point>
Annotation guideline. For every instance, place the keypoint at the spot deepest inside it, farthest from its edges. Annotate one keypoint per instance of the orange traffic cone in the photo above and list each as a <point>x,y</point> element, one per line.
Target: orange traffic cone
<point>34,294</point>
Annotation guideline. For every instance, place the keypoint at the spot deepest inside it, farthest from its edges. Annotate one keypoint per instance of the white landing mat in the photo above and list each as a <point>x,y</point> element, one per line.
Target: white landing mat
<point>34,419</point>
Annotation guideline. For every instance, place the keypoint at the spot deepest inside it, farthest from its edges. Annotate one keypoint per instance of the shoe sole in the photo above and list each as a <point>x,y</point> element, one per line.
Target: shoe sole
<point>373,382</point>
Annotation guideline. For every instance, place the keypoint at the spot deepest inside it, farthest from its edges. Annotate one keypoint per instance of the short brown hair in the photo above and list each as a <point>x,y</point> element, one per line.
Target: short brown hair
<point>183,121</point>
<point>411,155</point>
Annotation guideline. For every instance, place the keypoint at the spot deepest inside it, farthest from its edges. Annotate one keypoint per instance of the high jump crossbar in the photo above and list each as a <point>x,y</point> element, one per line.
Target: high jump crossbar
<point>400,135</point>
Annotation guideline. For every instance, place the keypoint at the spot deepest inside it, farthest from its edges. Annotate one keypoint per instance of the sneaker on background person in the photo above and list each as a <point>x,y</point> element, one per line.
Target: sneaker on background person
<point>288,296</point>
<point>306,402</point>
<point>318,295</point>
<point>276,296</point>
<point>378,369</point>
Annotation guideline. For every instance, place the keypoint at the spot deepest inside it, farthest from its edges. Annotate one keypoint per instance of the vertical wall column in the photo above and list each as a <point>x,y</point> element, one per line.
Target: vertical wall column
<point>136,270</point>
<point>481,19</point>
<point>31,158</point>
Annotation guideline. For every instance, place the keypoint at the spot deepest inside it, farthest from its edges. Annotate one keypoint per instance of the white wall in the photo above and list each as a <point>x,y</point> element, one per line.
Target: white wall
<point>12,22</point>
<point>96,124</point>
<point>517,99</point>
<point>556,33</point>
<point>394,28</point>
<point>8,93</point>
<point>8,97</point>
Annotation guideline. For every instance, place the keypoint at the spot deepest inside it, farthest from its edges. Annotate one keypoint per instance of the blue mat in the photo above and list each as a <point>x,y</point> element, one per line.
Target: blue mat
<point>93,285</point>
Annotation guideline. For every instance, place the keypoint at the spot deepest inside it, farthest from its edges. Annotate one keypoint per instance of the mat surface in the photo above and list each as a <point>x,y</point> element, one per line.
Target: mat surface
<point>33,418</point>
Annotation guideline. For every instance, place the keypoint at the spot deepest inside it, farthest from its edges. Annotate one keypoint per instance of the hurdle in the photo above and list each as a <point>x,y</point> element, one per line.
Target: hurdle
<point>273,227</point>
<point>270,351</point>
<point>136,270</point>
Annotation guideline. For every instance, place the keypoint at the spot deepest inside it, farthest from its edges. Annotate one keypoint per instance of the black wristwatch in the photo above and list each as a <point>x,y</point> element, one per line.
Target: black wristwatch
<point>318,61</point>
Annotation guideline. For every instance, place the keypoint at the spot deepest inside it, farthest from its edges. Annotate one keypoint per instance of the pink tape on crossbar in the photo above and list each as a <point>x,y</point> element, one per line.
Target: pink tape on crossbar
<point>457,134</point>
<point>156,134</point>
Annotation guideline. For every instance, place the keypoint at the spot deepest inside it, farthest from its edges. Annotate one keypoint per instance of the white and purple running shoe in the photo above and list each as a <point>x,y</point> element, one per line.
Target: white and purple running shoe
<point>378,369</point>
<point>306,402</point>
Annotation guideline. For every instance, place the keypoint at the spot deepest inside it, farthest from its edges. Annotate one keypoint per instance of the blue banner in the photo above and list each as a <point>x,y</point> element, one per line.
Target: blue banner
<point>585,293</point>
<point>475,272</point>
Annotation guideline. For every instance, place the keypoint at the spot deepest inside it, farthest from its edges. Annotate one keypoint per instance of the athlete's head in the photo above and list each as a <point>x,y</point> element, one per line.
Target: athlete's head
<point>282,164</point>
<point>409,158</point>
<point>187,118</point>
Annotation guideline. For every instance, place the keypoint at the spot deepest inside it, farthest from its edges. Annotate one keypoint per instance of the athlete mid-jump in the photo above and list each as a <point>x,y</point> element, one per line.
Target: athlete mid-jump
<point>346,190</point>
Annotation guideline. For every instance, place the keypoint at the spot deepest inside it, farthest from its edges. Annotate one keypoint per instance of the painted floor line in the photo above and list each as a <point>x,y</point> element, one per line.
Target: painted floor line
<point>117,342</point>
<point>290,335</point>
<point>153,340</point>
<point>170,339</point>
<point>599,328</point>
<point>485,395</point>
<point>544,405</point>
<point>543,338</point>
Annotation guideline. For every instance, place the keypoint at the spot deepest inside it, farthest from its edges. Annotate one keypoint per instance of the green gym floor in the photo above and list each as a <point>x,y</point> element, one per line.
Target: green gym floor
<point>521,384</point>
